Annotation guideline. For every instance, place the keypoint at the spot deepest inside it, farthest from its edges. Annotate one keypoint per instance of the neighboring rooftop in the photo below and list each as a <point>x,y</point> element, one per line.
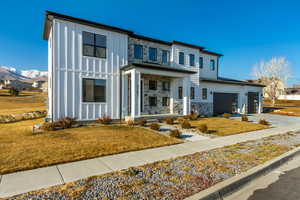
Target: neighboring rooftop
<point>50,15</point>
<point>231,81</point>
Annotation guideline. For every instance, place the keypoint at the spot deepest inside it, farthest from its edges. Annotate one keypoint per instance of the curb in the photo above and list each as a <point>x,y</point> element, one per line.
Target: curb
<point>227,187</point>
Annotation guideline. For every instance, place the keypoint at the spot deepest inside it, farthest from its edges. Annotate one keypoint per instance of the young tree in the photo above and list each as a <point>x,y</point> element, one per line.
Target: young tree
<point>273,74</point>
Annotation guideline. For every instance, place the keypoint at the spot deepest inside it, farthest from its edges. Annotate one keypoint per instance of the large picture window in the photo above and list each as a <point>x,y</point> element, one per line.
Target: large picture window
<point>94,45</point>
<point>93,90</point>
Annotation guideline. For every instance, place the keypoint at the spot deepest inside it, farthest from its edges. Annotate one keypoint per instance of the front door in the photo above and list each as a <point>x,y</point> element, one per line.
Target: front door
<point>252,102</point>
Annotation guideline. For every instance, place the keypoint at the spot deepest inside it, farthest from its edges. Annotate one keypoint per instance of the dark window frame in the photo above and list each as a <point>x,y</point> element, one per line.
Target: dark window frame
<point>154,103</point>
<point>167,56</point>
<point>180,94</point>
<point>166,83</point>
<point>94,45</point>
<point>134,51</point>
<point>212,65</point>
<point>150,83</point>
<point>154,56</point>
<point>201,62</point>
<point>165,101</point>
<point>192,59</point>
<point>204,93</point>
<point>181,58</point>
<point>192,93</point>
<point>94,88</point>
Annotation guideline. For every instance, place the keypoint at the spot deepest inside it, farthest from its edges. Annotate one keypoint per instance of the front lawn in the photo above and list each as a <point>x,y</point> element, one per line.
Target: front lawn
<point>21,150</point>
<point>222,126</point>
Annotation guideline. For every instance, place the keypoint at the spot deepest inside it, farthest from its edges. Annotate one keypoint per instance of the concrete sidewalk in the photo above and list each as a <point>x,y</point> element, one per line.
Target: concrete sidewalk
<point>25,181</point>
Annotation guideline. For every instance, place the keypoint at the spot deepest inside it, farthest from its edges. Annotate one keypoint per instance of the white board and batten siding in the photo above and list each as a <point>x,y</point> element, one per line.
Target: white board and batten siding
<point>70,66</point>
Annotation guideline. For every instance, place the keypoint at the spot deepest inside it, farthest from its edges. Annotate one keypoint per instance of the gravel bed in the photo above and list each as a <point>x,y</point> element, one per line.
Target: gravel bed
<point>175,178</point>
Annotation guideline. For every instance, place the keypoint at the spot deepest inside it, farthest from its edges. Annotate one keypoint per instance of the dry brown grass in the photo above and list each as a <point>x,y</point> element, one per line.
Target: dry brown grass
<point>223,127</point>
<point>20,150</point>
<point>27,101</point>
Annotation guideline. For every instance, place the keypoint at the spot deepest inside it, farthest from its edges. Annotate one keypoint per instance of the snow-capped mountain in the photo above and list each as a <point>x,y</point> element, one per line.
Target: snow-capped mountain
<point>14,74</point>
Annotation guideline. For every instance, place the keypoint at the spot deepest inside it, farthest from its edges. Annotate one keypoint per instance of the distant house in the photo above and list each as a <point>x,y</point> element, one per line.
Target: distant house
<point>292,93</point>
<point>19,85</point>
<point>267,88</point>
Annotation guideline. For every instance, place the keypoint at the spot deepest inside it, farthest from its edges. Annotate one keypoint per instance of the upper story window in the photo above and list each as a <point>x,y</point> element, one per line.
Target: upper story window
<point>192,59</point>
<point>166,85</point>
<point>152,84</point>
<point>152,54</point>
<point>212,65</point>
<point>93,45</point>
<point>93,90</point>
<point>138,51</point>
<point>165,56</point>
<point>165,101</point>
<point>179,92</point>
<point>192,93</point>
<point>201,62</point>
<point>204,93</point>
<point>181,58</point>
<point>152,101</point>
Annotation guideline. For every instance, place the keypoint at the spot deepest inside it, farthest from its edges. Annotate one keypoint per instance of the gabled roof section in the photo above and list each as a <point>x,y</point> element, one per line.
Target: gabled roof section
<point>49,16</point>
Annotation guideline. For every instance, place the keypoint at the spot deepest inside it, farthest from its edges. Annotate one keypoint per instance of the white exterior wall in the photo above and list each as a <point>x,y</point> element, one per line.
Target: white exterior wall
<point>70,66</point>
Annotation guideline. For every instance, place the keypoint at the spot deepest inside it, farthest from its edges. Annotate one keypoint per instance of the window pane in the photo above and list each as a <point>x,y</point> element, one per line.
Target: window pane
<point>192,93</point>
<point>165,56</point>
<point>88,50</point>
<point>152,101</point>
<point>165,101</point>
<point>181,58</point>
<point>100,52</point>
<point>212,65</point>
<point>138,51</point>
<point>152,54</point>
<point>88,38</point>
<point>192,60</point>
<point>166,85</point>
<point>152,85</point>
<point>204,93</point>
<point>88,90</point>
<point>201,62</point>
<point>101,40</point>
<point>100,86</point>
<point>179,92</point>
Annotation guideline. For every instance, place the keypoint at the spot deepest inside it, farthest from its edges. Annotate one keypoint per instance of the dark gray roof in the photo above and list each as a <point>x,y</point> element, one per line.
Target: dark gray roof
<point>223,80</point>
<point>157,67</point>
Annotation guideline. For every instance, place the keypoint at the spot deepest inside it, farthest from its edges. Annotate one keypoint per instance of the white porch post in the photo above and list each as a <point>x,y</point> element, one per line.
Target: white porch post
<point>186,95</point>
<point>135,93</point>
<point>125,95</point>
<point>172,93</point>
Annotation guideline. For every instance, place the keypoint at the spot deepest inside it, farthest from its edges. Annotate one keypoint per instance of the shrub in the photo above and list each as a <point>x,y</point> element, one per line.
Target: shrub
<point>193,116</point>
<point>66,122</point>
<point>155,126</point>
<point>48,126</point>
<point>203,128</point>
<point>13,91</point>
<point>169,121</point>
<point>185,124</point>
<point>180,119</point>
<point>104,120</point>
<point>226,115</point>
<point>130,123</point>
<point>142,122</point>
<point>175,133</point>
<point>244,118</point>
<point>263,122</point>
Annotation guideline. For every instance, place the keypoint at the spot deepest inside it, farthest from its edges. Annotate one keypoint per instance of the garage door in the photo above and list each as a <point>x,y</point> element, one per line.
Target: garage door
<point>252,102</point>
<point>225,103</point>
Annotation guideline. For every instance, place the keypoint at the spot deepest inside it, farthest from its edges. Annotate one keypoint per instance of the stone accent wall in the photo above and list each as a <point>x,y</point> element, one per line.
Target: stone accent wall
<point>146,45</point>
<point>202,108</point>
<point>159,93</point>
<point>178,107</point>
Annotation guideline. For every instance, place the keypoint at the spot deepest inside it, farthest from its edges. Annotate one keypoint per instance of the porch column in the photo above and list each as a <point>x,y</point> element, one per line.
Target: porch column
<point>135,93</point>
<point>125,95</point>
<point>172,93</point>
<point>186,95</point>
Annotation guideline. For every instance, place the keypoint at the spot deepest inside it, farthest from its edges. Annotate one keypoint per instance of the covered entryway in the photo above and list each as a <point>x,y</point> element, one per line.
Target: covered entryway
<point>225,103</point>
<point>253,102</point>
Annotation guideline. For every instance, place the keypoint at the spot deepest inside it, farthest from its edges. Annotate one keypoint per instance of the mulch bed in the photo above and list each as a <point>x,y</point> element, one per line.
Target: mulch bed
<point>175,178</point>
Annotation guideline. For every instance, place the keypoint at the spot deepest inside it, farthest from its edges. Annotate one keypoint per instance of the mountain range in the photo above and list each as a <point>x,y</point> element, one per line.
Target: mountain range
<point>11,73</point>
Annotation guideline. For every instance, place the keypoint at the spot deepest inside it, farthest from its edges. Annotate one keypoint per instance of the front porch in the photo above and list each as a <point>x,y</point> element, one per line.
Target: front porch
<point>155,92</point>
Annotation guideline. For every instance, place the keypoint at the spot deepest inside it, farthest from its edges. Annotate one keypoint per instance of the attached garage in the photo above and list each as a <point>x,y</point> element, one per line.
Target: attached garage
<point>225,103</point>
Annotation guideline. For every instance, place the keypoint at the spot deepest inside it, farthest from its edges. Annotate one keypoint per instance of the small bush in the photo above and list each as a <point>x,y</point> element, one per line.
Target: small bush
<point>263,122</point>
<point>175,133</point>
<point>104,120</point>
<point>180,119</point>
<point>48,126</point>
<point>169,121</point>
<point>142,122</point>
<point>130,123</point>
<point>66,122</point>
<point>244,118</point>
<point>193,116</point>
<point>226,115</point>
<point>13,92</point>
<point>155,126</point>
<point>185,124</point>
<point>203,128</point>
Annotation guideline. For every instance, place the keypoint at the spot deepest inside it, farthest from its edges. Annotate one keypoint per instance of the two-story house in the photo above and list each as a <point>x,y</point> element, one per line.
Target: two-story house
<point>97,69</point>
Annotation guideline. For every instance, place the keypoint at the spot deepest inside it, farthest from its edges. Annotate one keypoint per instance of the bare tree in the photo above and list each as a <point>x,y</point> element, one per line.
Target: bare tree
<point>273,74</point>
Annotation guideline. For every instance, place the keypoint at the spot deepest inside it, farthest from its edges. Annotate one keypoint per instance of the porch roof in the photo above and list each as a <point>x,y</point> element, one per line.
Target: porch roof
<point>157,67</point>
<point>223,80</point>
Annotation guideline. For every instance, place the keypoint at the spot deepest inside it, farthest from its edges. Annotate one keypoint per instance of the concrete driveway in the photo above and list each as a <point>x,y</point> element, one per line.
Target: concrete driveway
<point>275,120</point>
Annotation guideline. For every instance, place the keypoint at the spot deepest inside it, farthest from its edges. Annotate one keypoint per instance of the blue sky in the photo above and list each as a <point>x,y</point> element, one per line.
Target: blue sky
<point>246,32</point>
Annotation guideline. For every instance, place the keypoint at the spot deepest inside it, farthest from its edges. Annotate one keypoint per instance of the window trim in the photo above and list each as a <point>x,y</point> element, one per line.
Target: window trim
<point>155,85</point>
<point>192,64</point>
<point>181,53</point>
<point>155,55</point>
<point>180,92</point>
<point>94,46</point>
<point>82,91</point>
<point>192,95</point>
<point>155,101</point>
<point>204,97</point>
<point>167,102</point>
<point>142,48</point>
<point>201,62</point>
<point>169,85</point>
<point>168,56</point>
<point>212,67</point>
